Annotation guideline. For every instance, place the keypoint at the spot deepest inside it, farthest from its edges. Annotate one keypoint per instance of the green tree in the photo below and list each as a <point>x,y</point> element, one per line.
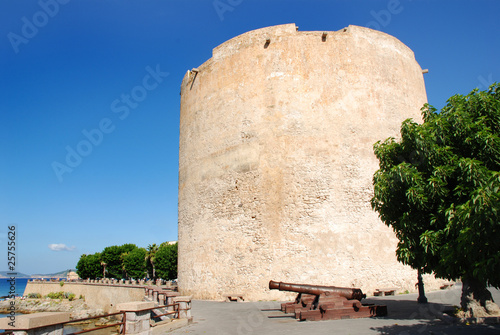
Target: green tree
<point>111,256</point>
<point>81,267</point>
<point>89,266</point>
<point>166,261</point>
<point>134,263</point>
<point>439,189</point>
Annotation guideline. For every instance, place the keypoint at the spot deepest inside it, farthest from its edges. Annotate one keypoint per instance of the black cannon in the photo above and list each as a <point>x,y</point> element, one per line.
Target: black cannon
<point>315,302</point>
<point>348,293</point>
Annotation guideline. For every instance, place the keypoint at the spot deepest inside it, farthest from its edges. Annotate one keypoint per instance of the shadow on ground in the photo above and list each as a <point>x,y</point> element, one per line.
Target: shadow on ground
<point>405,317</point>
<point>436,327</point>
<point>410,309</point>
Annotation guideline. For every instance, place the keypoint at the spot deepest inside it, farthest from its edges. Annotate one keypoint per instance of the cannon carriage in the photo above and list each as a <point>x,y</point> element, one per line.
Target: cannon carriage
<point>314,303</point>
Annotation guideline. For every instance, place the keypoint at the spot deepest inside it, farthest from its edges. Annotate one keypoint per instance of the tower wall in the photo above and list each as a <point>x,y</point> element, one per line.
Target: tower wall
<point>276,161</point>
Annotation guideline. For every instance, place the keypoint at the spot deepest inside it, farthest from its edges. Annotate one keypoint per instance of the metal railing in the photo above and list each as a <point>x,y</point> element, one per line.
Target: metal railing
<point>122,329</point>
<point>122,324</point>
<point>175,311</point>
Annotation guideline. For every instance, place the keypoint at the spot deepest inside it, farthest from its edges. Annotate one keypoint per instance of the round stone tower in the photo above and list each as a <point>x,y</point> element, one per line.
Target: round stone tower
<point>276,161</point>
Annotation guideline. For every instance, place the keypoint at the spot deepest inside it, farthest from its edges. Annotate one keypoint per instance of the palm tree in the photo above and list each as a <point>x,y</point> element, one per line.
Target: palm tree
<point>122,259</point>
<point>151,257</point>
<point>103,264</point>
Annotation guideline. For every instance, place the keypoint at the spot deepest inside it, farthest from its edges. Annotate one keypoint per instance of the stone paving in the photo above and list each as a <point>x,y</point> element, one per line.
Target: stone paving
<point>405,317</point>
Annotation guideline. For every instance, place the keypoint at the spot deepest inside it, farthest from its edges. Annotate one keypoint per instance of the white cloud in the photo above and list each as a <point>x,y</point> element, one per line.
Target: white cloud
<point>60,247</point>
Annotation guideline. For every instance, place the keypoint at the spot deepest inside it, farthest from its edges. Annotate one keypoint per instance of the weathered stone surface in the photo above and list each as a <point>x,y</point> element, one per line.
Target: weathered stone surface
<point>137,316</point>
<point>184,306</point>
<point>276,161</point>
<point>182,298</point>
<point>78,308</point>
<point>36,320</point>
<point>97,297</point>
<point>136,327</point>
<point>135,305</point>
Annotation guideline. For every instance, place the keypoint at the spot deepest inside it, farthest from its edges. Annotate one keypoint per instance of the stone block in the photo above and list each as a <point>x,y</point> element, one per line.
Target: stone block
<point>135,306</point>
<point>50,330</point>
<point>131,316</point>
<point>135,327</point>
<point>184,298</point>
<point>145,315</point>
<point>35,320</point>
<point>184,306</point>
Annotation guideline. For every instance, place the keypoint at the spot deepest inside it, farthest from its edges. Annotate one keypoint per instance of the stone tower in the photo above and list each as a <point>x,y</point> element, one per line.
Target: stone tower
<point>276,161</point>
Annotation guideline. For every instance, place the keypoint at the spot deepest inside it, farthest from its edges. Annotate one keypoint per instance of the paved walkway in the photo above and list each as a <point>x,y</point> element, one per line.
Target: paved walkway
<point>405,316</point>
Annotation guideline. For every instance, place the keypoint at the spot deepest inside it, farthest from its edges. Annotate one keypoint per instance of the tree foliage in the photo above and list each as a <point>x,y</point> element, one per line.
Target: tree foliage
<point>134,263</point>
<point>438,187</point>
<point>128,261</point>
<point>89,266</point>
<point>112,257</point>
<point>166,261</point>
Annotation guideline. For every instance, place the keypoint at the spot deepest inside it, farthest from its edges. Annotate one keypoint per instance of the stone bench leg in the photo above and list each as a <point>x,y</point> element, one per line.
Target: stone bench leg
<point>137,321</point>
<point>184,306</point>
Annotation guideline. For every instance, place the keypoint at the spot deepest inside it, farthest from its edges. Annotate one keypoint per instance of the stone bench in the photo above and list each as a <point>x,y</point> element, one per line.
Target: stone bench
<point>234,297</point>
<point>43,323</point>
<point>166,297</point>
<point>384,291</point>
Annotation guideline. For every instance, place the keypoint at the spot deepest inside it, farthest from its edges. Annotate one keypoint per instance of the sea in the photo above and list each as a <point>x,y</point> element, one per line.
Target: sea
<point>20,286</point>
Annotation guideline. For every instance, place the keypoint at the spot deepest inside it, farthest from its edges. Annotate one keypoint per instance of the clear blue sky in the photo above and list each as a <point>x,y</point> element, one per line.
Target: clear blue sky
<point>70,67</point>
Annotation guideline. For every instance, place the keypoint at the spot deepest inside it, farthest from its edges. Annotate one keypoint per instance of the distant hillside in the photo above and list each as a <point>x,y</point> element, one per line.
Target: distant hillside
<point>61,274</point>
<point>4,274</point>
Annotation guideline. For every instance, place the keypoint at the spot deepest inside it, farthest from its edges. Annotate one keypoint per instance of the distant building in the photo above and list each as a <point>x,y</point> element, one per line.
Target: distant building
<point>72,275</point>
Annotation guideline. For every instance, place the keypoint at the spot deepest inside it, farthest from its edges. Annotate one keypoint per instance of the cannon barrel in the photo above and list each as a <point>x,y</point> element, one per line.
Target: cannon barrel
<point>348,293</point>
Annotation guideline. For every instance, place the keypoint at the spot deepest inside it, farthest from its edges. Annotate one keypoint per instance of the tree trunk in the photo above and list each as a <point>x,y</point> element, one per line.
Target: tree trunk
<point>422,299</point>
<point>477,300</point>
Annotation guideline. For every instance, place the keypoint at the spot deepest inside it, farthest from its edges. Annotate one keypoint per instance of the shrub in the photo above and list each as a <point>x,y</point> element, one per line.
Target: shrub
<point>61,295</point>
<point>34,295</point>
<point>61,283</point>
<point>56,295</point>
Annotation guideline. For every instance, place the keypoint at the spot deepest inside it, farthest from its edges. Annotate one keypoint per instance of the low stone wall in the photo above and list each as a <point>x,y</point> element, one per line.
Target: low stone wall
<point>44,323</point>
<point>136,315</point>
<point>97,296</point>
